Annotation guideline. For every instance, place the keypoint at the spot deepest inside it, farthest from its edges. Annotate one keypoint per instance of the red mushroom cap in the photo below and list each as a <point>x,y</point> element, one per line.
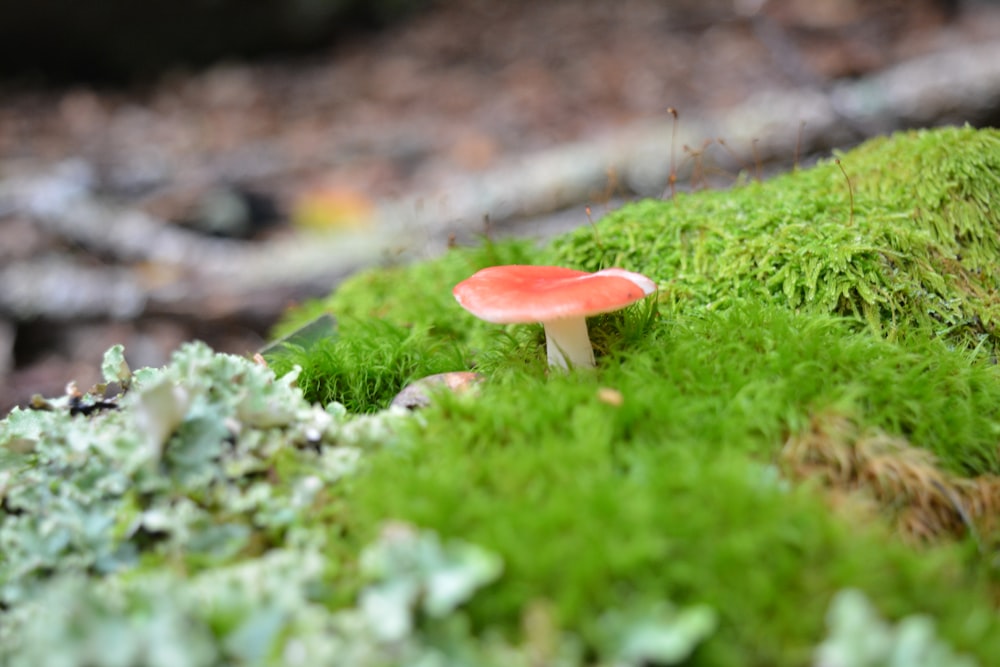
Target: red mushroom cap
<point>518,294</point>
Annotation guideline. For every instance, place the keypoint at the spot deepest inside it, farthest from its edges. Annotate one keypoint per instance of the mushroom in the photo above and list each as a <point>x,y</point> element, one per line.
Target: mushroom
<point>559,298</point>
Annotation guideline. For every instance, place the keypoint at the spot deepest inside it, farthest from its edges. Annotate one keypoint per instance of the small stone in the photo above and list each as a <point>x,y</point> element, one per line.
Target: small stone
<point>610,396</point>
<point>417,394</point>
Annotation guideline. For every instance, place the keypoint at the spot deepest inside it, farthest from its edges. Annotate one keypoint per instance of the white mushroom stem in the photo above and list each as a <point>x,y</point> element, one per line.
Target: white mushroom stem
<point>568,343</point>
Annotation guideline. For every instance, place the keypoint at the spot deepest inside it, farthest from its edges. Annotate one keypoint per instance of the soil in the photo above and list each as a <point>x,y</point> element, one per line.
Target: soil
<point>455,89</point>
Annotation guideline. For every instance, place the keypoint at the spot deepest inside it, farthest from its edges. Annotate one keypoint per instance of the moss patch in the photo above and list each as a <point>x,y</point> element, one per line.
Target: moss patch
<point>919,248</point>
<point>395,325</point>
<point>779,302</point>
<point>675,494</point>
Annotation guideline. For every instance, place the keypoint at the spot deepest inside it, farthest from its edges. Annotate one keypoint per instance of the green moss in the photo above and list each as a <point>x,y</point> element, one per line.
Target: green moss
<point>672,495</point>
<point>919,247</point>
<point>395,325</point>
<point>393,355</point>
<point>778,301</point>
<point>916,249</point>
<point>418,295</point>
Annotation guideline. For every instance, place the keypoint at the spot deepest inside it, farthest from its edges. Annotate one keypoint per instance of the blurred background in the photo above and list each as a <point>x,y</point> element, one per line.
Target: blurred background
<point>179,169</point>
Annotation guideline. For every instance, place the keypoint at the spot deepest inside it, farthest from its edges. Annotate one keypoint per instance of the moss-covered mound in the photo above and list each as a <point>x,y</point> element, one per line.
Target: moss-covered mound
<point>899,235</point>
<point>788,457</point>
<point>913,240</point>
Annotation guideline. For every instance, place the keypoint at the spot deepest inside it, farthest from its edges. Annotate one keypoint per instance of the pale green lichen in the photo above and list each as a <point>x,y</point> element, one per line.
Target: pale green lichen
<point>268,610</point>
<point>182,467</point>
<point>858,637</point>
<point>414,575</point>
<point>114,368</point>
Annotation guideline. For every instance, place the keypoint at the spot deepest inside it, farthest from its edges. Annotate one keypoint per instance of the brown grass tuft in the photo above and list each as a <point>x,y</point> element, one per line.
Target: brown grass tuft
<point>904,482</point>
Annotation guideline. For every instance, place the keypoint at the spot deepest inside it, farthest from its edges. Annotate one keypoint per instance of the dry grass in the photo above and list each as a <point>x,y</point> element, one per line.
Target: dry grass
<point>902,481</point>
